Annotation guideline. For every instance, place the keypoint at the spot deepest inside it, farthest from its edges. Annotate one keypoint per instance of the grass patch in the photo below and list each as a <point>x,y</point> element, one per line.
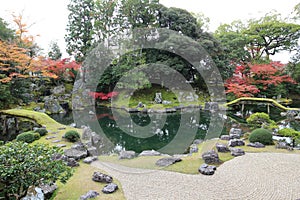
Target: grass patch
<point>44,119</point>
<point>81,182</point>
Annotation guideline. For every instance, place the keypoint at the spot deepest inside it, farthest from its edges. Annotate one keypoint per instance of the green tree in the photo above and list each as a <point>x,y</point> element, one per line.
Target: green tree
<point>140,13</point>
<point>79,37</point>
<point>6,33</point>
<point>54,52</point>
<point>270,35</point>
<point>289,132</point>
<point>23,165</point>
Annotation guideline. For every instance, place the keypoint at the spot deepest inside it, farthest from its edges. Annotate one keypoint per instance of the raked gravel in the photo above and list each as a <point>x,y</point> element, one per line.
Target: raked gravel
<point>259,176</point>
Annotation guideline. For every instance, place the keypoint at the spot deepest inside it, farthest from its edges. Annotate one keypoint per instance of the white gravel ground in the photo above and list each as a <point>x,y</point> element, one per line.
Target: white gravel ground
<point>259,176</point>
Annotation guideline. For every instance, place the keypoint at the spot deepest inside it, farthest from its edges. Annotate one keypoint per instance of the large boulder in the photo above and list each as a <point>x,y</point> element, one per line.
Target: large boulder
<point>206,169</point>
<point>102,178</point>
<point>236,142</point>
<point>86,133</point>
<point>76,154</point>
<point>211,157</point>
<point>127,154</point>
<point>52,105</point>
<point>236,151</point>
<point>163,162</point>
<point>110,188</point>
<point>236,131</point>
<point>222,148</point>
<point>89,195</point>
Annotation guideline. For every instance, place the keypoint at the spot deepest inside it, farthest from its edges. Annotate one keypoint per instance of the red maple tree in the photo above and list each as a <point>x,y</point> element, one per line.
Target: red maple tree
<point>250,79</point>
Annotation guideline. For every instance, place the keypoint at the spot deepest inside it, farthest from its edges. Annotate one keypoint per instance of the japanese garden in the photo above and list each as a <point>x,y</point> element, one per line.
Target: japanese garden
<point>150,97</point>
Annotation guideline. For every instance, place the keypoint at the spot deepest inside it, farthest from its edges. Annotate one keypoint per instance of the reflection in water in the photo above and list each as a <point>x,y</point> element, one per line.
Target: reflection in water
<point>166,132</point>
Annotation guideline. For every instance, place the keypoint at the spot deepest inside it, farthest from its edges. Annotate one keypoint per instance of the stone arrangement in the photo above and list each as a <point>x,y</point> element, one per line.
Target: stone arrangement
<point>206,169</point>
<point>211,157</point>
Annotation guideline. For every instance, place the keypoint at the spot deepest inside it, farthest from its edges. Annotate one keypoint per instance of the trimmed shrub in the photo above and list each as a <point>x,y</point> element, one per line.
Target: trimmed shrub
<point>41,131</point>
<point>261,135</point>
<point>26,137</point>
<point>261,120</point>
<point>72,136</point>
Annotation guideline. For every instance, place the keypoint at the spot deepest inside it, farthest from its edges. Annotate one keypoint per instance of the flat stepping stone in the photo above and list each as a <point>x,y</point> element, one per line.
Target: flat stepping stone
<point>163,162</point>
<point>90,159</point>
<point>56,141</point>
<point>50,137</point>
<point>61,145</point>
<point>54,132</point>
<point>61,128</point>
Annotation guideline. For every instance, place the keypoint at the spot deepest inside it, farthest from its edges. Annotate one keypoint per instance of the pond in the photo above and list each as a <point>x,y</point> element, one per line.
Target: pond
<point>166,132</point>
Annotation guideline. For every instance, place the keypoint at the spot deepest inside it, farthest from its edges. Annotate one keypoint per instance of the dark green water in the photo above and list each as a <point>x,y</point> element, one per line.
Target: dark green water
<point>166,132</point>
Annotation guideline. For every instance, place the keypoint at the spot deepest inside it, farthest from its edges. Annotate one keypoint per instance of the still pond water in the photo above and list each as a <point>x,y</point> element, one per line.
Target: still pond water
<point>165,132</point>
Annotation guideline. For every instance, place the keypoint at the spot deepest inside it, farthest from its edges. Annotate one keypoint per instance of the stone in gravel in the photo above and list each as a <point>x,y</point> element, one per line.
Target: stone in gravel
<point>193,148</point>
<point>102,178</point>
<point>206,169</point>
<point>72,162</point>
<point>76,154</point>
<point>256,145</point>
<point>225,137</point>
<point>163,162</point>
<point>56,141</point>
<point>90,159</point>
<point>237,152</point>
<point>197,141</point>
<point>222,148</point>
<point>89,195</point>
<point>61,145</point>
<point>211,157</point>
<point>149,153</point>
<point>127,155</point>
<point>110,188</point>
<point>50,137</point>
<point>236,142</point>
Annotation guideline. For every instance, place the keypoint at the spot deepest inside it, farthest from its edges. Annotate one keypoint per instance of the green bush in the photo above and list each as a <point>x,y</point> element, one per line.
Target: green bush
<point>23,165</point>
<point>289,132</point>
<point>261,120</point>
<point>41,131</point>
<point>261,135</point>
<point>26,137</point>
<point>72,136</point>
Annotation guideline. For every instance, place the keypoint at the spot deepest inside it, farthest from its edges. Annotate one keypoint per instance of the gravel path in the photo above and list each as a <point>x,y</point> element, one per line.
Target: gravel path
<point>252,176</point>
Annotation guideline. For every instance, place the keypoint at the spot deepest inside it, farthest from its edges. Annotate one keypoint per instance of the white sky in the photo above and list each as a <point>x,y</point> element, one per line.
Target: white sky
<point>50,16</point>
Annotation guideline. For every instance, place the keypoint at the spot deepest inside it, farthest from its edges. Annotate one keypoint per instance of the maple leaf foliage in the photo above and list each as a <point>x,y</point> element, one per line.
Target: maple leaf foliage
<point>247,79</point>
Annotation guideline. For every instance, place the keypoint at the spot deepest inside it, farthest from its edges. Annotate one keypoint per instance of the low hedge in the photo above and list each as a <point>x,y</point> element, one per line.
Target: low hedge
<point>261,135</point>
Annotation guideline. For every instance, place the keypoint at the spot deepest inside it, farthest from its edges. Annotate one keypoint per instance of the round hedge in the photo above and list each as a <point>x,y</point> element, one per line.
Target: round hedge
<point>261,135</point>
<point>41,131</point>
<point>28,137</point>
<point>72,136</point>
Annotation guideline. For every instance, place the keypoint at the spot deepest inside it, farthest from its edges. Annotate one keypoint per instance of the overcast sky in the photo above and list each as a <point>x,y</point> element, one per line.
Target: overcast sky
<point>50,16</point>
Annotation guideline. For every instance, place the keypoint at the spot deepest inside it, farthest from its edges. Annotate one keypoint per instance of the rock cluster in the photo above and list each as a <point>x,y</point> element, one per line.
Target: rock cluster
<point>206,169</point>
